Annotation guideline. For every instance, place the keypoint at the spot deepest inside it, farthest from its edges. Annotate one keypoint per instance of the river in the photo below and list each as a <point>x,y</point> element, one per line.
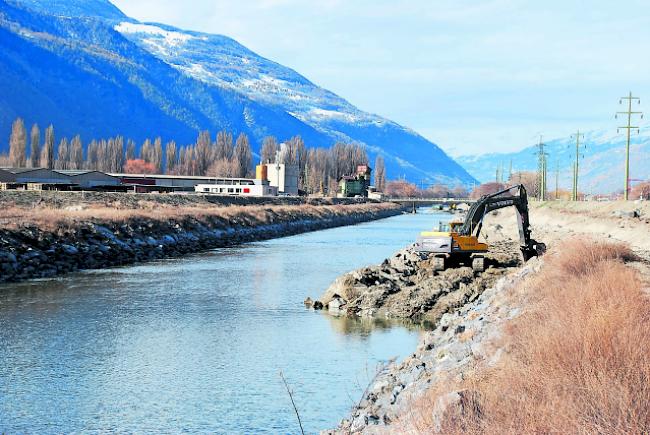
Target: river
<point>197,344</point>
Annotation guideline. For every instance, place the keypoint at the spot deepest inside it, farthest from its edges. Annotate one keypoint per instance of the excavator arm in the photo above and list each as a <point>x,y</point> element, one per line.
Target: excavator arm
<point>514,196</point>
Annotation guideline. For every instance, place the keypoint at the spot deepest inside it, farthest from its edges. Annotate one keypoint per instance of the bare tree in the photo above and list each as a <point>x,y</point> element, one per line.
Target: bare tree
<point>145,151</point>
<point>76,153</point>
<point>47,154</point>
<point>380,174</point>
<point>63,155</point>
<point>130,150</point>
<point>204,152</point>
<point>35,146</point>
<point>157,155</point>
<point>223,168</point>
<point>224,148</point>
<point>269,149</point>
<point>171,158</point>
<point>18,144</point>
<point>243,156</point>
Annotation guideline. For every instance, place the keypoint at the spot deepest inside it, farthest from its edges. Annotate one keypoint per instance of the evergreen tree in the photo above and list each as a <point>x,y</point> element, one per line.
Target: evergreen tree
<point>35,146</point>
<point>243,157</point>
<point>47,154</point>
<point>18,144</point>
<point>76,153</point>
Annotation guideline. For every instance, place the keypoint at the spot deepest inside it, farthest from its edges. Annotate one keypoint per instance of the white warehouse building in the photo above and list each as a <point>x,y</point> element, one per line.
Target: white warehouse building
<point>238,187</point>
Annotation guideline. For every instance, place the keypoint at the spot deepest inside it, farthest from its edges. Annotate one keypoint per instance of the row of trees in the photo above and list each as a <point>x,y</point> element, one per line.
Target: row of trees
<point>225,156</point>
<point>404,189</point>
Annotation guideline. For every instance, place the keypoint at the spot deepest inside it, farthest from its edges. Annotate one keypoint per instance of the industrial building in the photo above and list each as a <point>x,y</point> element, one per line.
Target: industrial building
<point>280,175</point>
<point>351,186</point>
<point>238,187</point>
<point>55,179</point>
<point>271,180</point>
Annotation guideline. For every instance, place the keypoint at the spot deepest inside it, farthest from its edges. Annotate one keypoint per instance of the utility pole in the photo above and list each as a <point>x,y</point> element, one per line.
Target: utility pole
<point>576,167</point>
<point>557,177</point>
<point>541,169</point>
<point>629,127</point>
<point>510,172</point>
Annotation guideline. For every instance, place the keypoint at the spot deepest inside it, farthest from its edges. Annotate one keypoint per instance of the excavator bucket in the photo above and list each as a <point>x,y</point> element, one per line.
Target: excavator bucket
<point>533,249</point>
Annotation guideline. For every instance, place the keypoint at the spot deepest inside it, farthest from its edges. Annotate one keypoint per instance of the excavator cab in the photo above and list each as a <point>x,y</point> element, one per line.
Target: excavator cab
<point>459,241</point>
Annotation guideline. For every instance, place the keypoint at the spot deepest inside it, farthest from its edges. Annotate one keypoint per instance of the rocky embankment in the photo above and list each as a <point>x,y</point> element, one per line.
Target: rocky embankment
<point>81,237</point>
<point>470,310</point>
<point>461,337</point>
<point>406,286</point>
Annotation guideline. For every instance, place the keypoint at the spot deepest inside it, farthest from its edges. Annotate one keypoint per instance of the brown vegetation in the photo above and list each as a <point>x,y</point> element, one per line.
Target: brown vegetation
<point>576,361</point>
<point>404,189</point>
<point>51,218</point>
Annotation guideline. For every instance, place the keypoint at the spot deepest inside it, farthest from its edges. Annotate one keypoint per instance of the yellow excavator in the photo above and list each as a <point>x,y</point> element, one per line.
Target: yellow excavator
<point>458,242</point>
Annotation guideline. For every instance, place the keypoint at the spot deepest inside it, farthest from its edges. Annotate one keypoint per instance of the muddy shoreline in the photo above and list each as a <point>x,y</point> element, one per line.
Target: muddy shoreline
<point>30,251</point>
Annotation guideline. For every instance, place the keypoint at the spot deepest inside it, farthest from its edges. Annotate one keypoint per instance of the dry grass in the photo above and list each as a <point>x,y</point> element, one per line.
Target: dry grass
<point>49,218</point>
<point>577,360</point>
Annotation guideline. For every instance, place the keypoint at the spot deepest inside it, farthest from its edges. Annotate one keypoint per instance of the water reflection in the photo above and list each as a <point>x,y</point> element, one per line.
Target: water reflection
<point>196,344</point>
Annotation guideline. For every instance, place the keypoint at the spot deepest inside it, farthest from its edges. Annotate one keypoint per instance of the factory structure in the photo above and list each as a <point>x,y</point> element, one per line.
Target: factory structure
<point>356,185</point>
<point>271,180</point>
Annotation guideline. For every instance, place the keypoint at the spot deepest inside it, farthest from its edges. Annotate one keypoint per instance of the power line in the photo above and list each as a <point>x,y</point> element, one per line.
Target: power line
<point>629,127</point>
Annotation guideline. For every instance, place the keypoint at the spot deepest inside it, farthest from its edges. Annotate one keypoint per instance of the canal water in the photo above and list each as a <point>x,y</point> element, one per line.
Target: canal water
<point>197,344</point>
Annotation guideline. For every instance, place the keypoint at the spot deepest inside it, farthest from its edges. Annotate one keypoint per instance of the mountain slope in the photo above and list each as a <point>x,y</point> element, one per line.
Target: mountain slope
<point>87,68</point>
<point>602,163</point>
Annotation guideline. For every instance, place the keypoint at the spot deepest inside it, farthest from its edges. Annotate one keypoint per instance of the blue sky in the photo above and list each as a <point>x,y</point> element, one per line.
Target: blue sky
<point>472,76</point>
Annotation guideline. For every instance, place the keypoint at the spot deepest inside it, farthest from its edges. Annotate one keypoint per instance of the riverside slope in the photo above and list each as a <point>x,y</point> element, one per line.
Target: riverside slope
<point>468,324</point>
<point>45,236</point>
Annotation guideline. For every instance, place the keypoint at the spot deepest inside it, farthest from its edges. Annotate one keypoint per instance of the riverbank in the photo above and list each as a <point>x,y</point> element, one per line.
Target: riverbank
<point>451,384</point>
<point>48,234</point>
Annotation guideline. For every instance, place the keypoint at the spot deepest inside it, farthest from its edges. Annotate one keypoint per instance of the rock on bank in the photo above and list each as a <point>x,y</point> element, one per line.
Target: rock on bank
<point>42,241</point>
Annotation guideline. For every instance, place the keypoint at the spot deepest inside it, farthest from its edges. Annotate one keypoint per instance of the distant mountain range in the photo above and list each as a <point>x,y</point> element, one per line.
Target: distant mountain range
<point>85,67</point>
<point>602,163</point>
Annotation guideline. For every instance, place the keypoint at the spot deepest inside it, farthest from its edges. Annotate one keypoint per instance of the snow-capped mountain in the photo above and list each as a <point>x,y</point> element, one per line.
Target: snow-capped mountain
<point>87,68</point>
<point>602,160</point>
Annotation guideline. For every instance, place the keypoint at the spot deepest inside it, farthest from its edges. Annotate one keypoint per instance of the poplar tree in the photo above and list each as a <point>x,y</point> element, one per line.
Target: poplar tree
<point>63,155</point>
<point>157,155</point>
<point>35,146</point>
<point>145,151</point>
<point>170,156</point>
<point>269,149</point>
<point>243,157</point>
<point>18,144</point>
<point>204,155</point>
<point>76,153</point>
<point>130,149</point>
<point>380,174</point>
<point>224,147</point>
<point>47,154</point>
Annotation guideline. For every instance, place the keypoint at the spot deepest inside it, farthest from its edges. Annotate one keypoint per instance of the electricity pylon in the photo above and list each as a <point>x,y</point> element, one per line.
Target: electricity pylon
<point>541,169</point>
<point>576,167</point>
<point>629,127</point>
